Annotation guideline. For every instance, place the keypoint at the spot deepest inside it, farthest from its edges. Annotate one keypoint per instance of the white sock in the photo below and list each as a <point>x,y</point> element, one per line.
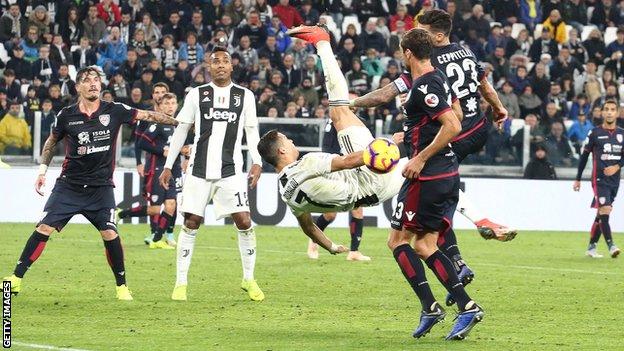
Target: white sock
<point>468,209</point>
<point>335,82</point>
<point>247,248</point>
<point>186,242</point>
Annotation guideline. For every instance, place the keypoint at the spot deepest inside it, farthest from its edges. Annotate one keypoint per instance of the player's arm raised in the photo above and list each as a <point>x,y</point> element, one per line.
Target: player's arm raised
<point>157,117</point>
<point>449,129</point>
<point>46,158</point>
<point>350,161</point>
<point>491,96</point>
<point>313,232</point>
<point>377,97</point>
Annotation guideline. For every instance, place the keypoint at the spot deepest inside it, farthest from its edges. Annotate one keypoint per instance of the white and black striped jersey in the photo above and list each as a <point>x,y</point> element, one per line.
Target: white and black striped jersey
<point>219,115</point>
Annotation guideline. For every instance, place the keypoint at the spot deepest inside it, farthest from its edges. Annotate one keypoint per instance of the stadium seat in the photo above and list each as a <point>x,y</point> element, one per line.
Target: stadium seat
<point>492,24</point>
<point>375,82</point>
<point>610,35</point>
<point>568,29</point>
<point>516,125</point>
<point>74,48</point>
<point>586,31</point>
<point>351,20</point>
<point>590,11</point>
<point>4,55</point>
<point>538,31</point>
<point>516,28</point>
<point>72,72</point>
<point>331,25</point>
<point>24,90</point>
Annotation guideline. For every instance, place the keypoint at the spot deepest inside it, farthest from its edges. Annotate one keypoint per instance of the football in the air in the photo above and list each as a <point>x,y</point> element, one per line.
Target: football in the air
<point>381,155</point>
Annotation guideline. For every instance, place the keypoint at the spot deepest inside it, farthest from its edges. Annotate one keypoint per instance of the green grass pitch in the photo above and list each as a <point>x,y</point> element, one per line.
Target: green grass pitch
<point>539,293</point>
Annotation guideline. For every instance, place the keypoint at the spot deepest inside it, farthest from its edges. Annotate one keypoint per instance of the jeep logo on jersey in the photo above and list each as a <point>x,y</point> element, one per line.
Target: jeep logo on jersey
<point>105,120</point>
<point>221,115</point>
<point>83,138</point>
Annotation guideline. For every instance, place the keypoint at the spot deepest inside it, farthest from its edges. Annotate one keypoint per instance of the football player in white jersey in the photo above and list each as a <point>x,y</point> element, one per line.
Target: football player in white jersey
<point>220,111</point>
<point>323,182</point>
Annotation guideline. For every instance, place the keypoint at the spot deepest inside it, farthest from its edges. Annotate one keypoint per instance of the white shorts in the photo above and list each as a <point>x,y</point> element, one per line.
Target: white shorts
<point>229,195</point>
<point>383,186</point>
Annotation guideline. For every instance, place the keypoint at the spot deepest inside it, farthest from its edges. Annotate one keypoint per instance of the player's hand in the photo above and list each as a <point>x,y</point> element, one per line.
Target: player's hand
<point>611,170</point>
<point>40,183</point>
<point>184,164</point>
<point>338,249</point>
<point>576,186</point>
<point>398,137</point>
<point>500,116</point>
<point>141,170</point>
<point>166,151</point>
<point>186,150</point>
<point>164,178</point>
<point>254,175</point>
<point>413,167</point>
<point>402,98</point>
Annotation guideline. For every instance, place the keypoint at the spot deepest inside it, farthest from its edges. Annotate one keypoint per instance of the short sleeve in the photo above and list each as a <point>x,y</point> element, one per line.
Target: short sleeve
<point>128,114</point>
<point>58,129</point>
<point>433,99</point>
<point>403,83</point>
<point>191,104</point>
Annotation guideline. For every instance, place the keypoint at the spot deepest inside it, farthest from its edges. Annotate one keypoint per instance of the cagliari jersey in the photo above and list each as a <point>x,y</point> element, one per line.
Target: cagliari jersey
<point>219,115</point>
<point>309,186</point>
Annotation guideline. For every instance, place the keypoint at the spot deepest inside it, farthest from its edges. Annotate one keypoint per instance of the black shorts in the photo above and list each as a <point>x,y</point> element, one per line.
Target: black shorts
<point>155,194</point>
<point>604,195</point>
<point>426,205</point>
<point>97,204</point>
<point>471,141</point>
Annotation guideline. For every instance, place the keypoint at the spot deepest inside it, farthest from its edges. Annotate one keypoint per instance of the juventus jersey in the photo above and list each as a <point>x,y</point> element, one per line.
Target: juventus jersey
<point>219,115</point>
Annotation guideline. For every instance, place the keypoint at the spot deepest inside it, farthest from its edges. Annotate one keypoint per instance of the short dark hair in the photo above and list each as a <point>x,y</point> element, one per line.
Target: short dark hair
<point>162,85</point>
<point>9,72</point>
<point>610,101</point>
<point>85,71</point>
<point>219,48</point>
<point>439,21</point>
<point>267,147</point>
<point>418,42</point>
<point>167,96</point>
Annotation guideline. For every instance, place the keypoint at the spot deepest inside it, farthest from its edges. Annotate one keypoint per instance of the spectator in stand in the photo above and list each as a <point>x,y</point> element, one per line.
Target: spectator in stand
<point>611,93</point>
<point>183,73</point>
<point>4,104</point>
<point>311,70</point>
<point>292,75</point>
<point>307,91</point>
<point>48,116</point>
<point>372,64</point>
<point>174,28</point>
<point>112,53</point>
<point>529,102</point>
<point>510,100</point>
<point>357,78</point>
<point>392,72</point>
<point>287,14</point>
<point>267,100</point>
<point>136,99</point>
<point>395,38</point>
<point>190,50</point>
<point>197,26</point>
<point>59,53</point>
<point>291,110</point>
<point>615,65</point>
<point>496,39</point>
<point>213,11</point>
<point>203,69</point>
<point>382,27</point>
<point>168,54</point>
<point>580,106</point>
<point>134,8</point>
<point>617,45</point>
<point>478,23</point>
<point>145,84</point>
<point>309,15</point>
<point>551,115</point>
<point>605,15</point>
<point>54,94</point>
<point>277,85</point>
<point>577,50</point>
<point>31,103</point>
<point>578,131</point>
<point>278,30</point>
<point>565,65</point>
<point>119,87</point>
<point>540,81</point>
<point>536,136</point>
<point>475,44</point>
<point>544,45</point>
<point>500,64</point>
<point>539,167</point>
<point>15,136</point>
<point>401,15</point>
<point>184,8</point>
<point>269,49</point>
<point>31,44</point>
<point>505,11</point>
<point>350,33</point>
<point>300,51</point>
<point>236,11</point>
<point>520,46</point>
<point>556,97</point>
<point>40,19</point>
<point>130,68</point>
<point>320,112</point>
<point>67,85</point>
<point>93,26</point>
<point>595,46</point>
<point>520,80</point>
<point>21,67</point>
<point>156,68</point>
<point>43,68</point>
<point>126,28</point>
<point>558,146</point>
<point>265,11</point>
<point>174,85</point>
<point>302,108</point>
<point>10,85</point>
<point>346,55</point>
<point>141,47</point>
<point>151,32</point>
<point>13,26</point>
<point>555,25</point>
<point>109,12</point>
<point>249,55</point>
<point>371,38</point>
<point>84,56</point>
<point>575,14</point>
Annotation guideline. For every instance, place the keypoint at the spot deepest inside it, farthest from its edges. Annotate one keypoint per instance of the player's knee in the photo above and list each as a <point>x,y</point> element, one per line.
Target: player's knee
<point>170,206</point>
<point>153,210</point>
<point>108,234</point>
<point>45,229</point>
<point>605,210</point>
<point>358,212</point>
<point>242,222</point>
<point>424,248</point>
<point>192,221</point>
<point>396,239</point>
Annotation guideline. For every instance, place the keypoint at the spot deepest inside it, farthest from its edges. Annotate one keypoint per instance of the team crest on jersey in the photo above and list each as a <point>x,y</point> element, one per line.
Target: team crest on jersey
<point>237,100</point>
<point>105,120</point>
<point>83,138</point>
<point>152,128</point>
<point>619,138</point>
<point>432,100</point>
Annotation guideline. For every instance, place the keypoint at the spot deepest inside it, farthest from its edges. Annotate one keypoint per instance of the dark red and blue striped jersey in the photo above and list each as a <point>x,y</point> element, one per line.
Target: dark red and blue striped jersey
<point>90,142</point>
<point>153,140</point>
<point>464,74</point>
<point>429,98</point>
<point>607,148</point>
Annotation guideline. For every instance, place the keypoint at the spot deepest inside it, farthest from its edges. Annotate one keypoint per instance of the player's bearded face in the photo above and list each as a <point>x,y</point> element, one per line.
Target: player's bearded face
<point>90,87</point>
<point>220,65</point>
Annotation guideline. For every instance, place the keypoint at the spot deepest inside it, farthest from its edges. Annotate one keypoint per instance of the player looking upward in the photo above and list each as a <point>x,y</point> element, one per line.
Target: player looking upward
<point>220,111</point>
<point>89,129</point>
<point>606,144</point>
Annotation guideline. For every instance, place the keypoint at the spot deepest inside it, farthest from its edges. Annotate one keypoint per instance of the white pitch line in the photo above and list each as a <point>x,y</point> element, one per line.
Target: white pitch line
<point>540,268</point>
<point>44,347</point>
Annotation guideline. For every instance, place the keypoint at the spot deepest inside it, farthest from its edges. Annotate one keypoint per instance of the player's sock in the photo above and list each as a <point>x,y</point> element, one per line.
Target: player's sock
<point>443,269</point>
<point>468,209</point>
<point>355,225</point>
<point>139,211</point>
<point>414,272</point>
<point>115,257</point>
<point>171,226</point>
<point>32,250</point>
<point>163,224</point>
<point>594,234</point>
<point>186,242</point>
<point>154,220</point>
<point>448,245</point>
<point>247,248</point>
<point>322,222</point>
<point>605,228</point>
<point>335,82</point>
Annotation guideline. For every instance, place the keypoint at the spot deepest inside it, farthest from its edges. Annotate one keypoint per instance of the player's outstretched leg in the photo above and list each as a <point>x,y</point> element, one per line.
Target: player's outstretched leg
<point>487,229</point>
<point>247,249</point>
<point>139,211</point>
<point>31,252</point>
<point>594,237</point>
<point>356,227</point>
